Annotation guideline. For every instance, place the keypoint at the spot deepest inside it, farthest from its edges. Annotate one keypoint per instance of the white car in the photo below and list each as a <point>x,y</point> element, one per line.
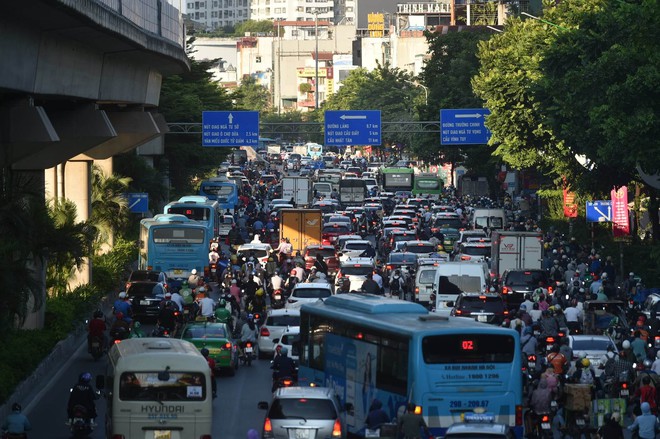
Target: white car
<point>290,339</point>
<point>261,251</point>
<point>353,249</point>
<point>356,270</point>
<point>308,293</point>
<point>372,184</point>
<point>594,346</point>
<point>277,321</point>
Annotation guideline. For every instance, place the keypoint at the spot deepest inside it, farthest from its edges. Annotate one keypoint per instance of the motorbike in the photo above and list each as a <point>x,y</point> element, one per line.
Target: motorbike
<point>80,423</point>
<point>96,347</point>
<point>248,353</point>
<point>277,300</point>
<point>213,269</point>
<point>118,334</point>
<point>161,331</point>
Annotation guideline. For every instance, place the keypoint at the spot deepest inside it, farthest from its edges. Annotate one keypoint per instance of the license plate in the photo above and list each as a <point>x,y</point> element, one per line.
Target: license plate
<point>248,350</point>
<point>162,434</point>
<point>545,425</point>
<point>624,392</point>
<point>95,344</point>
<point>186,311</point>
<point>531,365</point>
<point>144,302</point>
<point>580,422</point>
<point>302,434</point>
<point>482,318</point>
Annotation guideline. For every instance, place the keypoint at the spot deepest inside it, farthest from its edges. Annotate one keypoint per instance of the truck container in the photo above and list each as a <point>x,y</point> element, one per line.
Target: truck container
<point>515,251</point>
<point>473,186</point>
<point>298,188</point>
<point>301,226</point>
<point>352,192</point>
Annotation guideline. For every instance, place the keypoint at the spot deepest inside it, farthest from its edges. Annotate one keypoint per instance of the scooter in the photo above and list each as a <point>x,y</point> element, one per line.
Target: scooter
<point>277,300</point>
<point>80,423</point>
<point>248,353</point>
<point>96,347</point>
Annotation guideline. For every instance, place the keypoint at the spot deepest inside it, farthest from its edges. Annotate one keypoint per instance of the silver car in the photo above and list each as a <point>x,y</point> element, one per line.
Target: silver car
<point>304,413</point>
<point>594,346</point>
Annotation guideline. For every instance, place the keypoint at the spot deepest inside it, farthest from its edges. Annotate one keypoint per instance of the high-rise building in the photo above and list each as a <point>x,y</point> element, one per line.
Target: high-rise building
<point>292,10</point>
<point>215,14</point>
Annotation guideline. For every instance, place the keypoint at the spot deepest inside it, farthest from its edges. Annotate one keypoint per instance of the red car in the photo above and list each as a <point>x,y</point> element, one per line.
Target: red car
<point>331,231</point>
<point>329,254</point>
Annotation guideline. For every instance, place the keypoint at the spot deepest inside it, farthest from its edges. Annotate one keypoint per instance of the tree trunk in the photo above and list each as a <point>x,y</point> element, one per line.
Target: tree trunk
<point>653,214</point>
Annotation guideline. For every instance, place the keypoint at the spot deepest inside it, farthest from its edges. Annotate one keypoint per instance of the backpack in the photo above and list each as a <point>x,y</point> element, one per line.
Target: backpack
<point>395,285</point>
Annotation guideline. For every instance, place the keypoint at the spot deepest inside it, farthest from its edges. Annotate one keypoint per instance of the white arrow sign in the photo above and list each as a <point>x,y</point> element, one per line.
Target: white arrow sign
<point>603,217</point>
<point>468,116</point>
<point>231,118</point>
<point>344,117</point>
<point>135,203</point>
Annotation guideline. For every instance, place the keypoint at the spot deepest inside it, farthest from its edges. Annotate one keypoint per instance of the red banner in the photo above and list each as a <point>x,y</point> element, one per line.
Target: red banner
<point>620,217</point>
<point>570,207</point>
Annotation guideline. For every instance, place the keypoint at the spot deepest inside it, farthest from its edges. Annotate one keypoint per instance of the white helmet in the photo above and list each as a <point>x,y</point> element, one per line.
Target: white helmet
<point>194,271</point>
<point>625,344</point>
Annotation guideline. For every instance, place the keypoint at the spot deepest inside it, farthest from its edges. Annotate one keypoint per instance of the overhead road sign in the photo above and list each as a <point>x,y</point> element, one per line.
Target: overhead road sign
<point>138,202</point>
<point>230,128</point>
<point>599,211</point>
<point>465,126</point>
<point>352,128</point>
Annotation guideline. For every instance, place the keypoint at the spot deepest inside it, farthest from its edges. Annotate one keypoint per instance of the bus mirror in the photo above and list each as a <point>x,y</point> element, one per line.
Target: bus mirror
<point>100,382</point>
<point>262,405</point>
<point>348,407</point>
<point>450,304</point>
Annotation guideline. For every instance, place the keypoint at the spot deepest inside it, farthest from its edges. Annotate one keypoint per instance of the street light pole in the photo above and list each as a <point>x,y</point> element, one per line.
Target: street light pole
<point>426,90</point>
<point>316,53</point>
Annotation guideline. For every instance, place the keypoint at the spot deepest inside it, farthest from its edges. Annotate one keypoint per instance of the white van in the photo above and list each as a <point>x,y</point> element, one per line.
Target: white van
<point>157,388</point>
<point>491,218</point>
<point>453,278</point>
<point>425,279</point>
<point>322,189</point>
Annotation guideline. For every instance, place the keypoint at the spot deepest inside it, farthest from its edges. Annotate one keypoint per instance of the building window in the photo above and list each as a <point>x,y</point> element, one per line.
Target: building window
<point>240,13</point>
<point>257,59</point>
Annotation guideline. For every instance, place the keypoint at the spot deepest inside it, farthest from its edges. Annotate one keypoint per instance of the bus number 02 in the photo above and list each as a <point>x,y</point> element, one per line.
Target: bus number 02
<point>467,345</point>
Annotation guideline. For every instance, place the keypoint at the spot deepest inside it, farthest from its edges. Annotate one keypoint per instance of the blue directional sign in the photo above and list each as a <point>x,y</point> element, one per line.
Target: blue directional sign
<point>464,126</point>
<point>352,128</point>
<point>230,128</point>
<point>138,202</point>
<point>599,211</point>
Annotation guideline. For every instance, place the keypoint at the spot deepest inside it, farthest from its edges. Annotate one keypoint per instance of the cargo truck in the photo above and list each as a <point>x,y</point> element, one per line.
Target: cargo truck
<point>298,188</point>
<point>515,251</point>
<point>301,226</point>
<point>352,192</point>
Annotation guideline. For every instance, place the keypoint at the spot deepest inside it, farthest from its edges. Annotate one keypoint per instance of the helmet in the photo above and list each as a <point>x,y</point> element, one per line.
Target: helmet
<point>16,407</point>
<point>321,276</point>
<point>585,362</point>
<point>603,276</point>
<point>293,273</point>
<point>222,302</point>
<point>168,295</point>
<point>85,378</point>
<point>647,364</point>
<point>201,290</point>
<point>98,314</point>
<point>631,274</point>
<point>122,295</point>
<point>625,344</point>
<point>523,307</point>
<point>193,271</point>
<point>204,352</point>
<point>557,307</point>
<point>250,316</point>
<point>259,292</point>
<point>284,351</point>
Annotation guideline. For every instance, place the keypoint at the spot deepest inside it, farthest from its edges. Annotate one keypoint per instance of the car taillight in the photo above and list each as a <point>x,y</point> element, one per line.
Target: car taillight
<point>264,332</point>
<point>287,382</point>
<point>389,267</point>
<point>465,258</point>
<point>336,429</point>
<point>227,346</point>
<point>549,290</point>
<point>248,345</point>
<point>268,427</point>
<point>519,415</point>
<point>531,358</point>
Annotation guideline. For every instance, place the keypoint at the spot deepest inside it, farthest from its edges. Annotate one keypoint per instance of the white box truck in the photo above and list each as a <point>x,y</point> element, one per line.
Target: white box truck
<point>298,188</point>
<point>514,251</point>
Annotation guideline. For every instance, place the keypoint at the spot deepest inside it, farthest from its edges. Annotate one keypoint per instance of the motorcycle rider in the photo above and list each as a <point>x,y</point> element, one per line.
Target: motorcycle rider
<point>320,264</point>
<point>539,400</point>
<point>96,329</point>
<point>120,327</point>
<point>206,304</point>
<point>248,332</point>
<point>16,424</point>
<point>647,423</point>
<point>377,416</point>
<point>211,362</point>
<point>82,394</point>
<point>283,366</point>
<point>123,305</point>
<point>223,315</point>
<point>167,313</point>
<point>193,279</point>
<point>178,299</point>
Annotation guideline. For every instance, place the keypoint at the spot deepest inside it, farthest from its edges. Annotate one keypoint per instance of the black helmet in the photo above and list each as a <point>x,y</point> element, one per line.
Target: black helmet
<point>85,378</point>
<point>16,407</point>
<point>98,314</point>
<point>204,352</point>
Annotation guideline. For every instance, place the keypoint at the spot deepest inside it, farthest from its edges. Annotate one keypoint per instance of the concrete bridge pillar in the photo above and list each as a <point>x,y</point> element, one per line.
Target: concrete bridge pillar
<point>78,189</point>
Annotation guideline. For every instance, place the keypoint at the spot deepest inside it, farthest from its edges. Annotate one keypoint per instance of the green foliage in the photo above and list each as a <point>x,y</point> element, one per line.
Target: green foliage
<point>305,87</point>
<point>251,96</point>
<point>144,178</point>
<point>254,26</point>
<point>293,126</point>
<point>110,212</point>
<point>110,269</point>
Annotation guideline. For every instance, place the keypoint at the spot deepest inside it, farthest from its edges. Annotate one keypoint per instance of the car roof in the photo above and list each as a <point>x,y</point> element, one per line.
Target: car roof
<point>254,246</point>
<point>419,242</point>
<point>284,311</point>
<point>488,295</point>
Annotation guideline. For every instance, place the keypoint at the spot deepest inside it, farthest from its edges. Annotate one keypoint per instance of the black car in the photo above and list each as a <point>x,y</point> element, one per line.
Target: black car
<point>145,297</point>
<point>147,276</point>
<point>397,260</point>
<point>486,308</point>
<point>516,283</point>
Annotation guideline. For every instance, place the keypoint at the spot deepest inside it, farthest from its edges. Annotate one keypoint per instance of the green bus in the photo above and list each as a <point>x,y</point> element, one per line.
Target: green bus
<point>427,184</point>
<point>398,179</point>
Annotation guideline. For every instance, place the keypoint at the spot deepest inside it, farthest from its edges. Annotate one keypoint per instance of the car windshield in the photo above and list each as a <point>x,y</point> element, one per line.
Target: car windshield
<point>257,253</point>
<point>352,270</point>
<point>402,258</point>
<point>482,303</point>
<point>528,278</point>
<point>591,345</point>
<point>454,223</point>
<point>206,331</point>
<point>305,408</point>
<point>140,276</point>
<point>420,249</point>
<point>356,245</point>
<point>475,251</point>
<point>403,238</point>
<point>144,289</point>
<point>311,293</point>
<point>324,252</point>
<point>283,320</point>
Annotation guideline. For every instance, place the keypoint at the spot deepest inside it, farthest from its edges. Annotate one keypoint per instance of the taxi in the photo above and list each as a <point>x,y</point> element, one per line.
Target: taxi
<point>479,425</point>
<point>217,339</point>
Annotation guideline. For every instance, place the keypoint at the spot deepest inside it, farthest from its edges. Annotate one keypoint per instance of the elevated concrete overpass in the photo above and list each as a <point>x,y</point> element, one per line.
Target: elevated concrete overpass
<point>80,82</point>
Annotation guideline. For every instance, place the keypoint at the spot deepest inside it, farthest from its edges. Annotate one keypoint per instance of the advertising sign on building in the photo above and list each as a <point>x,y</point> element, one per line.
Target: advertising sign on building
<point>620,218</point>
<point>423,8</point>
<point>376,25</point>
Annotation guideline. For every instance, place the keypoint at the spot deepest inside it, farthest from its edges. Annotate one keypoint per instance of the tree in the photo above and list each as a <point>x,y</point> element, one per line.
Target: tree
<point>251,96</point>
<point>110,212</point>
<point>254,26</point>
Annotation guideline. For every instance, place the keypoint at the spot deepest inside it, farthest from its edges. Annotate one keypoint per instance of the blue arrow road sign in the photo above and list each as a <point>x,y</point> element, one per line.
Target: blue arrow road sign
<point>230,128</point>
<point>138,202</point>
<point>464,126</point>
<point>348,128</point>
<point>599,211</point>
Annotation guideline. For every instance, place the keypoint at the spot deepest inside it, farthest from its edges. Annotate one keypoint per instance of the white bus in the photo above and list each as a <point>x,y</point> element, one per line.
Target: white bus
<point>157,389</point>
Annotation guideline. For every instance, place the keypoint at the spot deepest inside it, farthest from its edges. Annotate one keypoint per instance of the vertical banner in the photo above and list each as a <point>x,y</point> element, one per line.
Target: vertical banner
<point>570,207</point>
<point>620,217</point>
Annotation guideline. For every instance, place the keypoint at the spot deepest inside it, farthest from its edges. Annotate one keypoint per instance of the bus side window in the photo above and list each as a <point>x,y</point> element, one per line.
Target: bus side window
<point>392,371</point>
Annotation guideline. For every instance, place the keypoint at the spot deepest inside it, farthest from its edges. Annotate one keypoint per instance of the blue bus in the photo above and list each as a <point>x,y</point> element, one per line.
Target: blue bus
<point>222,190</point>
<point>199,208</point>
<point>369,347</point>
<point>174,244</point>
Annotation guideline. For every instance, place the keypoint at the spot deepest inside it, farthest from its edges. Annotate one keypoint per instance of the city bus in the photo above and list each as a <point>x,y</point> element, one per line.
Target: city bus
<point>428,184</point>
<point>370,347</point>
<point>314,150</point>
<point>174,244</point>
<point>398,179</point>
<point>222,190</point>
<point>199,208</point>
<point>157,388</point>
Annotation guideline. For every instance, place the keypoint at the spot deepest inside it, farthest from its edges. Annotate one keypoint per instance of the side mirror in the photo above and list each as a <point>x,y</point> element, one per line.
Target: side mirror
<point>349,407</point>
<point>100,382</point>
<point>276,340</point>
<point>262,405</point>
<point>450,304</point>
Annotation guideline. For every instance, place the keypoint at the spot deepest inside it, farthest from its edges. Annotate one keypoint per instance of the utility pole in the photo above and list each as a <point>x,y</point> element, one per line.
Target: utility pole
<point>316,51</point>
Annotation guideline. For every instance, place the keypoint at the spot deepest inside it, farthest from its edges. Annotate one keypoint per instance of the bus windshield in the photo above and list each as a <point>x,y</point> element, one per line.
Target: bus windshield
<point>162,386</point>
<point>218,191</point>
